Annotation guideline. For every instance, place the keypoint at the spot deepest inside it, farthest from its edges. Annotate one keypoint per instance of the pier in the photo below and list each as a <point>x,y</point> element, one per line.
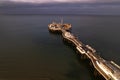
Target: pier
<point>108,69</point>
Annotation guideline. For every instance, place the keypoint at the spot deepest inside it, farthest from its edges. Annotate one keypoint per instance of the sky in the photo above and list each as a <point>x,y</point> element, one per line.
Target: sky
<point>104,7</point>
<point>68,1</point>
<point>44,1</point>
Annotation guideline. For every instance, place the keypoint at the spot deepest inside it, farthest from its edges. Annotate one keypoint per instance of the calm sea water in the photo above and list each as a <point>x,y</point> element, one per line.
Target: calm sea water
<point>29,52</point>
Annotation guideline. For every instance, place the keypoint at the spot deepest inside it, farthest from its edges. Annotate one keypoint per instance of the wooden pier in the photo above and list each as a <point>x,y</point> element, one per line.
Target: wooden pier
<point>108,69</point>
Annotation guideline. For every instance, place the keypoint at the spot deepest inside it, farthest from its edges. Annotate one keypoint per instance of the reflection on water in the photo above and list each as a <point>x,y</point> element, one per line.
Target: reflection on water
<point>29,51</point>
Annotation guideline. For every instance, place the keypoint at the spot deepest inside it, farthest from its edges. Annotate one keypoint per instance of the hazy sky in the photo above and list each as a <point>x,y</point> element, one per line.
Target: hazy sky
<point>74,7</point>
<point>46,1</point>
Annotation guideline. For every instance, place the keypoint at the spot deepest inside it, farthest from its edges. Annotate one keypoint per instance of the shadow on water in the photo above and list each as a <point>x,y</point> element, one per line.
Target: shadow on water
<point>54,33</point>
<point>75,72</point>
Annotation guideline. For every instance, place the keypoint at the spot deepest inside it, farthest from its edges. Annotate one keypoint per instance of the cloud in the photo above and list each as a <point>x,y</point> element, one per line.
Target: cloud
<point>74,7</point>
<point>45,1</point>
<point>52,1</point>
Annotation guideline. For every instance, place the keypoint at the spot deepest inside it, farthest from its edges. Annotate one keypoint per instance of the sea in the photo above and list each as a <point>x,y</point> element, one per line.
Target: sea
<point>28,51</point>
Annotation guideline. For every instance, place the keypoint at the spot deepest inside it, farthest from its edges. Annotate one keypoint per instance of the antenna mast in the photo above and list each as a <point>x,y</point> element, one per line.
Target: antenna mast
<point>61,20</point>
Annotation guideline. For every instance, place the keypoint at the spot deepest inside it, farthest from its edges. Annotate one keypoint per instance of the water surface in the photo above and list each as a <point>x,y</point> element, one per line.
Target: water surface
<point>29,52</point>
